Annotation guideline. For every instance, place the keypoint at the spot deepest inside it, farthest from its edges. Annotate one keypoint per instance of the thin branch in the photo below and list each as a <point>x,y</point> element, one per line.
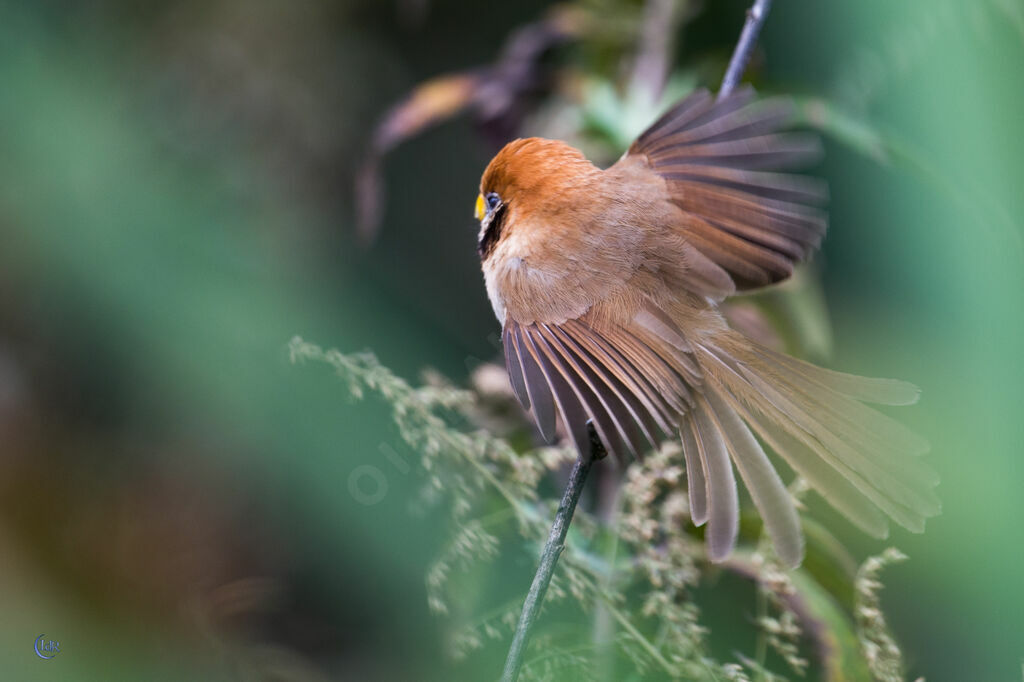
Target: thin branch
<point>548,558</point>
<point>756,16</point>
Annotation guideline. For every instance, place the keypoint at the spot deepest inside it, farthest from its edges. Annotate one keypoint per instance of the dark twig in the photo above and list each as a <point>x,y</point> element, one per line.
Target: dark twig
<point>549,557</point>
<point>756,15</point>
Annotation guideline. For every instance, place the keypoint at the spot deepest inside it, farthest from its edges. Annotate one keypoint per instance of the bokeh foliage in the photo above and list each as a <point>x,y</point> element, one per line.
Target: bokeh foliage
<point>177,501</point>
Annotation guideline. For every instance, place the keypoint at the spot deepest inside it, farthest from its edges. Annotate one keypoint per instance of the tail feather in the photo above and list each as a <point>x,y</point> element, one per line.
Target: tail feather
<point>845,415</point>
<point>723,500</point>
<point>891,507</point>
<point>821,411</point>
<point>866,389</point>
<point>770,496</point>
<point>696,475</point>
<point>884,474</point>
<point>842,494</point>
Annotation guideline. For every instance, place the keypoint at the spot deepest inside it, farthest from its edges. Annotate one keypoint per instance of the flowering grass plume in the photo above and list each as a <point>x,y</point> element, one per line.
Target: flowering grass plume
<point>626,597</point>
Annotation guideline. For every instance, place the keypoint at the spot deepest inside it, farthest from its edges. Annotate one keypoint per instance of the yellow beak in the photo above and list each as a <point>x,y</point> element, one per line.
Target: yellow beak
<point>481,207</point>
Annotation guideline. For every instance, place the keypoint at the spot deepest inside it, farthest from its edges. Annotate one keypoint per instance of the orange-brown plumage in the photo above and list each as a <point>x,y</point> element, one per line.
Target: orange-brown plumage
<point>607,284</point>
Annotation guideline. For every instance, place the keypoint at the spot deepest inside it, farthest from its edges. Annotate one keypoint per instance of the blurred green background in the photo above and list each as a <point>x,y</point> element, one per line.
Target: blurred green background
<point>177,501</point>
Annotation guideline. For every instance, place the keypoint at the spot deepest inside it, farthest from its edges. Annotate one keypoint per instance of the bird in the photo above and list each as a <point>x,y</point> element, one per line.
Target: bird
<point>608,285</point>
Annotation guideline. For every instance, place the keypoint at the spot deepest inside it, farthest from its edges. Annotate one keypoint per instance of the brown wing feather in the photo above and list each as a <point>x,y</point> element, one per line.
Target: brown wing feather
<point>607,410</point>
<point>569,406</point>
<point>632,382</point>
<point>632,413</point>
<point>536,384</point>
<point>653,413</point>
<point>596,412</point>
<point>649,363</point>
<point>515,368</point>
<point>715,159</point>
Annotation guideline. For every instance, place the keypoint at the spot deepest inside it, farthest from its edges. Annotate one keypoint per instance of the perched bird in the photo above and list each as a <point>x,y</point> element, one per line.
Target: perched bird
<point>607,284</point>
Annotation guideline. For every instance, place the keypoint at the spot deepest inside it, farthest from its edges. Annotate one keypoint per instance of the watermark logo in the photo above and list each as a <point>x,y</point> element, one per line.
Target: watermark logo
<point>46,649</point>
<point>368,485</point>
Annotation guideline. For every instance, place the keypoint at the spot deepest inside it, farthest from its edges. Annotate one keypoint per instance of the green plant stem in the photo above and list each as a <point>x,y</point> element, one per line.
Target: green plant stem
<point>549,557</point>
<point>604,628</point>
<point>761,653</point>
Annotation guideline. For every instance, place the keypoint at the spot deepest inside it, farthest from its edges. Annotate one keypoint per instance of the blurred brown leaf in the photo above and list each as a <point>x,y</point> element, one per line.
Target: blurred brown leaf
<point>499,96</point>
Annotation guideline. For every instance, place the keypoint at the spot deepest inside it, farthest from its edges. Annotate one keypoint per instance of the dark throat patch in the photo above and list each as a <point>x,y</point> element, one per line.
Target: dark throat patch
<point>489,239</point>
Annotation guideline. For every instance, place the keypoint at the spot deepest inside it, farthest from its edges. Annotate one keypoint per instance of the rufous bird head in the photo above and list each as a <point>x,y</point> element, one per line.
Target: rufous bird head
<point>528,176</point>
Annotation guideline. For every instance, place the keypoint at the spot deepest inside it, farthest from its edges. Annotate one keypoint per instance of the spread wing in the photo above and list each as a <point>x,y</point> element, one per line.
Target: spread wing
<point>719,161</point>
<point>637,383</point>
<point>632,382</point>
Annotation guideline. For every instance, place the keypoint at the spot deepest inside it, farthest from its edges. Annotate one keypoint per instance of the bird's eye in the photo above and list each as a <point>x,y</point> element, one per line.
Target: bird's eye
<point>493,200</point>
